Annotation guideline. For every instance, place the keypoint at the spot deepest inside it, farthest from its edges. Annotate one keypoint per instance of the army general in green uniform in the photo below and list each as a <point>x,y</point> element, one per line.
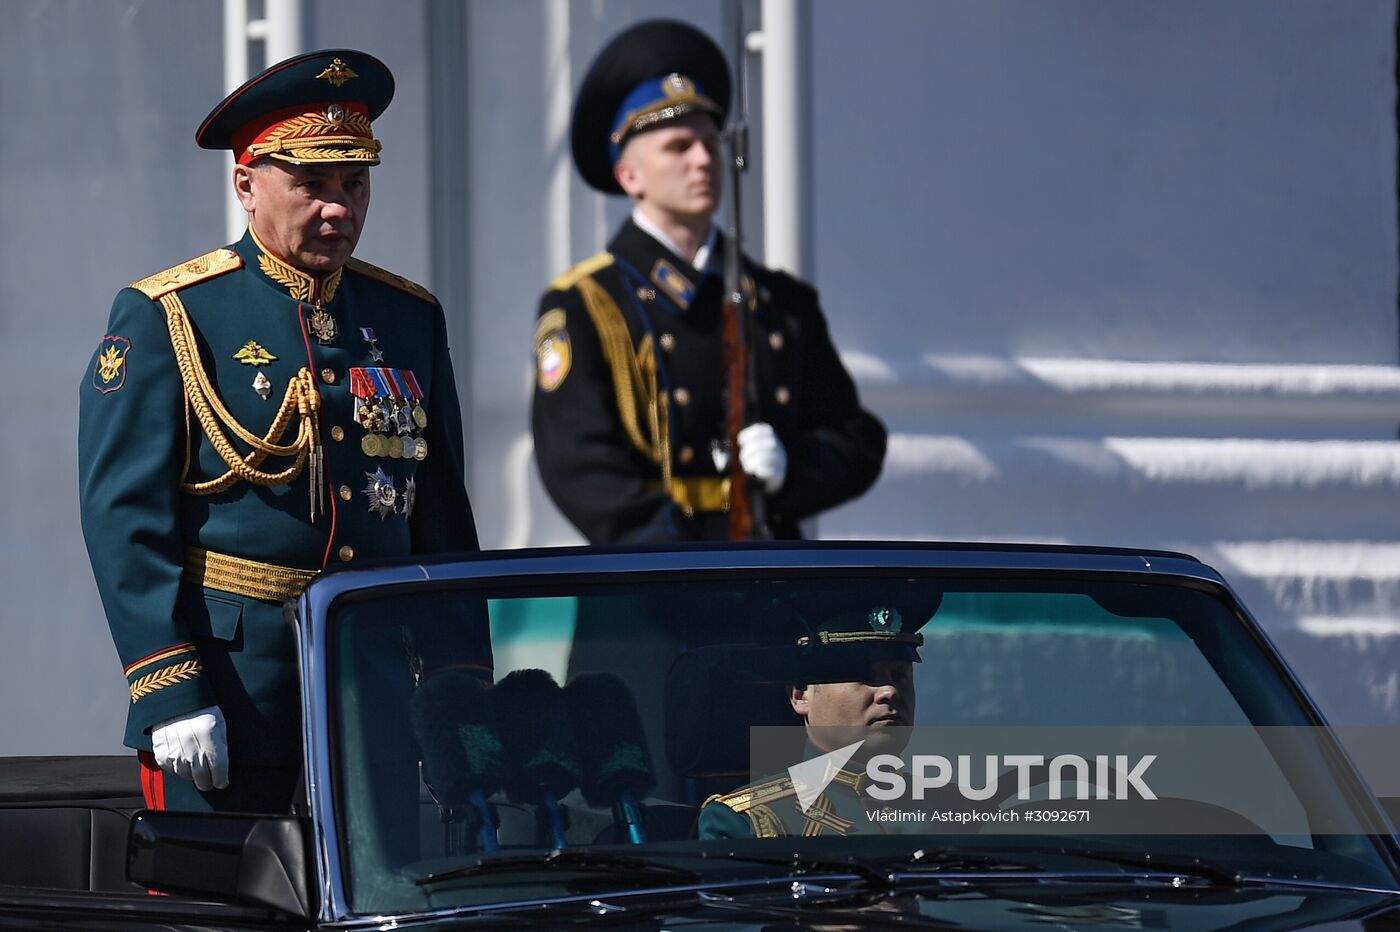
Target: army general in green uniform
<point>253,416</point>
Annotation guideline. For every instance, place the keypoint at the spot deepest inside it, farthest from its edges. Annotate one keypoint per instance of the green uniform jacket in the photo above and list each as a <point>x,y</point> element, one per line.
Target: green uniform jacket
<point>770,809</point>
<point>185,647</point>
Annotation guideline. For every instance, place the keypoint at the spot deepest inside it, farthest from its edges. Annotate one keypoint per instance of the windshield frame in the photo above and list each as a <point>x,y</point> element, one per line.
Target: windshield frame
<point>315,607</point>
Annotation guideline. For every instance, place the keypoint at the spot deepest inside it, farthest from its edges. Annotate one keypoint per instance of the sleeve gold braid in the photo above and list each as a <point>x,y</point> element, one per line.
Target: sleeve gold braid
<point>634,391</point>
<point>145,685</point>
<point>766,823</point>
<point>655,403</point>
<point>301,398</point>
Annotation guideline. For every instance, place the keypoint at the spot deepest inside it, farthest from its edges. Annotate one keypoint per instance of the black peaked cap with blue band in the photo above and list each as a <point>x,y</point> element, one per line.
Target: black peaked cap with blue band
<point>315,107</point>
<point>647,75</point>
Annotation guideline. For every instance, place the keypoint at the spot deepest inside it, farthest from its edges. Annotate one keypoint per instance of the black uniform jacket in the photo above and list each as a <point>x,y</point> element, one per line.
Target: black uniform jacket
<point>629,399</point>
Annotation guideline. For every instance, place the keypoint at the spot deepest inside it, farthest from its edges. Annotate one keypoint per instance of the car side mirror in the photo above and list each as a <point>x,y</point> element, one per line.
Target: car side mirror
<point>229,857</point>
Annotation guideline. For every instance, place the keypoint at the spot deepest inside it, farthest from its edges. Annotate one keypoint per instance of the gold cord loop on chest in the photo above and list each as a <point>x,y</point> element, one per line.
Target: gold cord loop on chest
<point>302,399</point>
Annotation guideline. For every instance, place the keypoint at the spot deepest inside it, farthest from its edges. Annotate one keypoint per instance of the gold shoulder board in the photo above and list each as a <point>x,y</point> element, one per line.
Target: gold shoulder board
<point>581,271</point>
<point>757,794</point>
<point>210,265</point>
<point>389,278</point>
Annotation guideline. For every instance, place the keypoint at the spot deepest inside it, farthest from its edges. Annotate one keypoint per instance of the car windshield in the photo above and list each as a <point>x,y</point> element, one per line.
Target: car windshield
<point>652,729</point>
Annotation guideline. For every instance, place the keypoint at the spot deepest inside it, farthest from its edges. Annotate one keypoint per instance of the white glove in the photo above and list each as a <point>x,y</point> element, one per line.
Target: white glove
<point>194,747</point>
<point>762,455</point>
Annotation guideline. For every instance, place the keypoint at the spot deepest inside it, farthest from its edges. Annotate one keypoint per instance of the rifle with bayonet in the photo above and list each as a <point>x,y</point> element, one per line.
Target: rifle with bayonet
<point>748,512</point>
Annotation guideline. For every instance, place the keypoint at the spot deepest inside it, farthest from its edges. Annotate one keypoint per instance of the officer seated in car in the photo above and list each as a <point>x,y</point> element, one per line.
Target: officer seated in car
<point>857,666</point>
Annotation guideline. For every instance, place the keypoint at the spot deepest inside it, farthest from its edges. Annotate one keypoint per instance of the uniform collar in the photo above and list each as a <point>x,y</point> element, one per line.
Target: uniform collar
<point>309,289</point>
<point>655,265</point>
<point>854,779</point>
<point>703,256</point>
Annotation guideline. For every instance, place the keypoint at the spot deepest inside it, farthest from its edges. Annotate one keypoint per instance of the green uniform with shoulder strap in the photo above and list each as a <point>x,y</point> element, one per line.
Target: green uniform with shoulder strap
<point>243,425</point>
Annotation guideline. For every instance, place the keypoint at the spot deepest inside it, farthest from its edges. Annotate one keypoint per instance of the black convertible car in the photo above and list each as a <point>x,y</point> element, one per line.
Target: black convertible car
<point>1090,738</point>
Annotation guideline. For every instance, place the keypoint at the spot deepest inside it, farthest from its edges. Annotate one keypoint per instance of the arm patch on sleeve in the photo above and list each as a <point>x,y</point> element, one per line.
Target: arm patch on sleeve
<point>109,372</point>
<point>553,354</point>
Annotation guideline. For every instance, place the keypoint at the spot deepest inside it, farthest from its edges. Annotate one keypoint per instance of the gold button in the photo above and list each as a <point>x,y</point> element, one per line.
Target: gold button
<point>682,396</point>
<point>347,553</point>
<point>775,340</point>
<point>345,492</point>
<point>328,376</point>
<point>783,395</point>
<point>668,342</point>
<point>337,432</point>
<point>685,455</point>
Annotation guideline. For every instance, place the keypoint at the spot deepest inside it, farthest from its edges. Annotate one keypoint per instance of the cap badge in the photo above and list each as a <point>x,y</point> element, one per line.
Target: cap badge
<point>886,620</point>
<point>253,355</point>
<point>337,72</point>
<point>678,85</point>
<point>336,114</point>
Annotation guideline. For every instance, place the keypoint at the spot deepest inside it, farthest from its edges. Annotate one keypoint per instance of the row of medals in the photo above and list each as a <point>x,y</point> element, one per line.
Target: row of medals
<point>392,428</point>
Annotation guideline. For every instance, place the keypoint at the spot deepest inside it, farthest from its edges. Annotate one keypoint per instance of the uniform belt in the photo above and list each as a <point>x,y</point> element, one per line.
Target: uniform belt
<point>700,493</point>
<point>265,581</point>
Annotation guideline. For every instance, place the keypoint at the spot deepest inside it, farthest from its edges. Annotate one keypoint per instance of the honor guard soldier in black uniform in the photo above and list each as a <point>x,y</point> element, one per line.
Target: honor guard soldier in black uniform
<point>252,416</point>
<point>629,404</point>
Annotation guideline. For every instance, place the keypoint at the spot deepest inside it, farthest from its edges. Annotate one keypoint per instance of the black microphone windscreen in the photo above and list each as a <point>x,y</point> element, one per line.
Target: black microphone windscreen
<point>540,751</point>
<point>456,733</point>
<point>611,740</point>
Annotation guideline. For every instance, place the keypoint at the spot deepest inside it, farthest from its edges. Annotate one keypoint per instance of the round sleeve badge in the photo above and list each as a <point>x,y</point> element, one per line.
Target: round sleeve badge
<point>552,351</point>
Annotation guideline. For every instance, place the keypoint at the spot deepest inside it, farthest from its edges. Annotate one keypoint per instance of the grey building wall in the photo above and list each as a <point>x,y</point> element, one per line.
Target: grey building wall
<point>996,180</point>
<point>98,102</point>
<point>1198,181</point>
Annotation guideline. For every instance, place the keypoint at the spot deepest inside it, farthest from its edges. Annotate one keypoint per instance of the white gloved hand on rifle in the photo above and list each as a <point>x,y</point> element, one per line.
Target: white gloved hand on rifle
<point>193,747</point>
<point>762,456</point>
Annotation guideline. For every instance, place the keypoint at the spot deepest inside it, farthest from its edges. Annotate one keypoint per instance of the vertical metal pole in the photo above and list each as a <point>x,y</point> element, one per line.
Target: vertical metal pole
<point>557,104</point>
<point>788,239</point>
<point>449,174</point>
<point>787,174</point>
<point>558,235</point>
<point>235,73</point>
<point>283,36</point>
<point>281,33</point>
